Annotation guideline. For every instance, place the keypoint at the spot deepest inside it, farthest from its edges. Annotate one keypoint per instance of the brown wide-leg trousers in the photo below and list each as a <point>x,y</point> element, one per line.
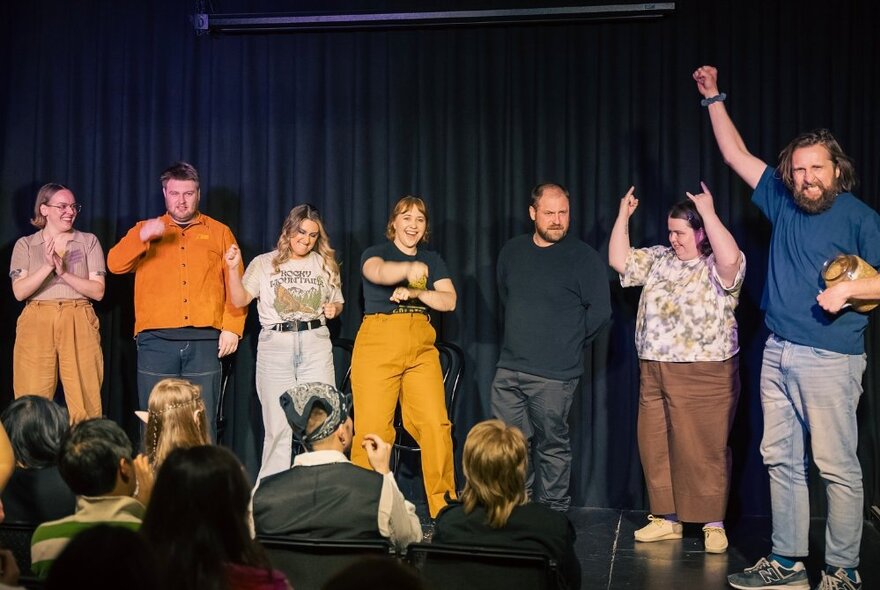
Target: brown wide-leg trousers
<point>685,414</point>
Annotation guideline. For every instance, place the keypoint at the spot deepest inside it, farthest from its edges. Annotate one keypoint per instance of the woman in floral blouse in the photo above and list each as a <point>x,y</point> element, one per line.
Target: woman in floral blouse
<point>686,338</point>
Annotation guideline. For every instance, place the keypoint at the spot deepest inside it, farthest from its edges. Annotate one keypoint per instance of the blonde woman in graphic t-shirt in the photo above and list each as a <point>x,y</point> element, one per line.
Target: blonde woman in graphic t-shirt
<point>58,270</point>
<point>299,289</point>
<point>686,338</point>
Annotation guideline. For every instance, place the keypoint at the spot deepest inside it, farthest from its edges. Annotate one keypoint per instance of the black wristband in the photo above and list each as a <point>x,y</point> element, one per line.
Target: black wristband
<point>717,98</point>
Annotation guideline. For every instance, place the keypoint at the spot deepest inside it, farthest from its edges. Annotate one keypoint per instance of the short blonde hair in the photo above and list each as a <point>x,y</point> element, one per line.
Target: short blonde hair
<point>404,204</point>
<point>494,463</point>
<point>176,418</point>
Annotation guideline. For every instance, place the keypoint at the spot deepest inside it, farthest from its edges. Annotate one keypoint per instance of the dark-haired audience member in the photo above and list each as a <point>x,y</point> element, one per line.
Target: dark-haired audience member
<point>36,493</point>
<point>105,557</point>
<point>176,418</point>
<point>323,495</point>
<point>494,509</point>
<point>111,488</point>
<point>197,525</point>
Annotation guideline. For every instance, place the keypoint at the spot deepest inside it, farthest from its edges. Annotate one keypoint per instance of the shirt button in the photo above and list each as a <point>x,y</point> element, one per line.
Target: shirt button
<point>184,300</point>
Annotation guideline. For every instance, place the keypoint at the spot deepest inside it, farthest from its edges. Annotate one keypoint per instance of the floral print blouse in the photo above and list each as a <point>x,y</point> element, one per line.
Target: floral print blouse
<point>685,313</point>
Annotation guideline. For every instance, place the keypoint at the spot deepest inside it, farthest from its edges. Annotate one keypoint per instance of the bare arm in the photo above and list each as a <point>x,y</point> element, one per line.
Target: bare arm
<point>727,254</point>
<point>618,244</point>
<point>92,287</point>
<point>25,285</point>
<point>238,295</point>
<point>442,298</point>
<point>382,272</point>
<point>834,298</point>
<point>732,147</point>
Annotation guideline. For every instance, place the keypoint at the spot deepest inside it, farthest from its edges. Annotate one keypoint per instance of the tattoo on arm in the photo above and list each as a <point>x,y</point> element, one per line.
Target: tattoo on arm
<point>15,273</point>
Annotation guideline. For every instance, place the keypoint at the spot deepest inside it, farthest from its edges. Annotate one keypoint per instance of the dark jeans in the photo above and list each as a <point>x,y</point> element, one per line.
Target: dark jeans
<point>539,407</point>
<point>193,360</point>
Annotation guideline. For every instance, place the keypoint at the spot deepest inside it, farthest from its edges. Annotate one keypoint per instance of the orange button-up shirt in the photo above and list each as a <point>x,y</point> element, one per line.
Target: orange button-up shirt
<point>179,279</point>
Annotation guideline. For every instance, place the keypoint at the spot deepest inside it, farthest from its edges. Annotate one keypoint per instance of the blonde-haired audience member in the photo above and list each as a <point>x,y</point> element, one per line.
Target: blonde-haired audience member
<point>176,418</point>
<point>494,509</point>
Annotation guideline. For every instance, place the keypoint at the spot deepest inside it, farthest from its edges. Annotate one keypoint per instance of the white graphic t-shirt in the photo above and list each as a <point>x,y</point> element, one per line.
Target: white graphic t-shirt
<point>296,292</point>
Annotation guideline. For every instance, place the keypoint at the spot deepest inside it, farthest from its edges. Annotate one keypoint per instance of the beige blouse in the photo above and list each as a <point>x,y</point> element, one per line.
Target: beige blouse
<point>82,257</point>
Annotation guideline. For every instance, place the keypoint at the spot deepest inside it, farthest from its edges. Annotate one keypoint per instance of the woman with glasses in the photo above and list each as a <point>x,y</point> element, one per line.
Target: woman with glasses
<point>299,289</point>
<point>58,270</point>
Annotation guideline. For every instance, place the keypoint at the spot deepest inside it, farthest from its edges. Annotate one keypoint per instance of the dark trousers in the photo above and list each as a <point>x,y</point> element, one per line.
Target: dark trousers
<point>539,407</point>
<point>193,360</point>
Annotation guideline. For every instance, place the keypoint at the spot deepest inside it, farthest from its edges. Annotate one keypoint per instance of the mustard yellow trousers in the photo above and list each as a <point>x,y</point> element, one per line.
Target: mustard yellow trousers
<point>395,360</point>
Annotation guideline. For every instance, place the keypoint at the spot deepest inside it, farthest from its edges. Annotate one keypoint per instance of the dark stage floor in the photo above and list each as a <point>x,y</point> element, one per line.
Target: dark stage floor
<point>612,560</point>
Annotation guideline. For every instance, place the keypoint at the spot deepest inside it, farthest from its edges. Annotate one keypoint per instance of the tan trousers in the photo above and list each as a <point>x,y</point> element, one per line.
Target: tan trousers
<point>685,414</point>
<point>60,336</point>
<point>395,359</point>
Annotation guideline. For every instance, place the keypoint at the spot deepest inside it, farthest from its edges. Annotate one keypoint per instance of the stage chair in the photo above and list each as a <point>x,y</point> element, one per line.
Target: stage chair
<point>342,351</point>
<point>483,568</point>
<point>309,563</point>
<point>452,368</point>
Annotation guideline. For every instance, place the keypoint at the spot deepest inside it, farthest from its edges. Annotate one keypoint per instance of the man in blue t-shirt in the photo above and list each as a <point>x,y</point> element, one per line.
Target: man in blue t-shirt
<point>814,358</point>
<point>555,293</point>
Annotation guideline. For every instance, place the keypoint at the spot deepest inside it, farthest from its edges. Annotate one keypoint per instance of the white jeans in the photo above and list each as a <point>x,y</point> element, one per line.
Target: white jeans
<point>285,359</point>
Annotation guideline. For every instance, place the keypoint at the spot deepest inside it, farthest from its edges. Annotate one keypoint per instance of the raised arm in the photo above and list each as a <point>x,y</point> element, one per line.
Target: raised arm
<point>732,147</point>
<point>618,245</point>
<point>727,254</point>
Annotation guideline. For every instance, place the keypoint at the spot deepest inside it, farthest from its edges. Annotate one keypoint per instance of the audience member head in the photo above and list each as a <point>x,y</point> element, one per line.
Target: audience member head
<point>380,573</point>
<point>36,427</point>
<point>197,518</point>
<point>319,415</point>
<point>105,557</point>
<point>494,464</point>
<point>176,418</point>
<point>96,459</point>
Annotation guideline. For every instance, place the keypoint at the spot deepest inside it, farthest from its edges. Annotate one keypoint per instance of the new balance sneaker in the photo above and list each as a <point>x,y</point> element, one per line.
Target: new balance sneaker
<point>659,529</point>
<point>715,539</point>
<point>770,574</point>
<point>839,581</point>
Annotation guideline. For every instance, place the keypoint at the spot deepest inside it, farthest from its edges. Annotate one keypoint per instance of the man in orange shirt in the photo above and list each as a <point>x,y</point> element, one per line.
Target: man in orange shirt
<point>184,321</point>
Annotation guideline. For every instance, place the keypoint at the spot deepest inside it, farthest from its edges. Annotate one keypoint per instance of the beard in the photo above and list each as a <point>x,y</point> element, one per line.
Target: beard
<point>552,234</point>
<point>815,206</point>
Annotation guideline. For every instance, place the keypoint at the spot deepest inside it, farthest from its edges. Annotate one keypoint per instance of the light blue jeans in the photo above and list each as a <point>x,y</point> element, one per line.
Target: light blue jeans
<point>285,359</point>
<point>809,396</point>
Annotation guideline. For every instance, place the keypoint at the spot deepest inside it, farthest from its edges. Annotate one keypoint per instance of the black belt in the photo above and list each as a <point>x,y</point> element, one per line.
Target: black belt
<point>297,326</point>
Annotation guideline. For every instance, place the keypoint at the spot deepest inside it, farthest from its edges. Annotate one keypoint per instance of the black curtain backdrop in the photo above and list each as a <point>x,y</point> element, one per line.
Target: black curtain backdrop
<point>102,95</point>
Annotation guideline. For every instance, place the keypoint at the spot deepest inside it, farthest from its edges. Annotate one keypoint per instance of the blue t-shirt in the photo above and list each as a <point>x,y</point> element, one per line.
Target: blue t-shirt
<point>377,297</point>
<point>800,245</point>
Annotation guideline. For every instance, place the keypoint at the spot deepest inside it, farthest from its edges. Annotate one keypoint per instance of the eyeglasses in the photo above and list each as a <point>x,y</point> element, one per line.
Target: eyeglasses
<point>75,207</point>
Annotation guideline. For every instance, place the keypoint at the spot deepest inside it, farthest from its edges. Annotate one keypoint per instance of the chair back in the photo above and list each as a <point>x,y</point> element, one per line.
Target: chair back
<point>342,351</point>
<point>309,563</point>
<point>452,368</point>
<point>17,538</point>
<point>483,568</point>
